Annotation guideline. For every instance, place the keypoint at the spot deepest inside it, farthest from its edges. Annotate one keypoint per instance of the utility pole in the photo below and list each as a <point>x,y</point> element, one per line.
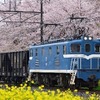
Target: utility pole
<point>41,23</point>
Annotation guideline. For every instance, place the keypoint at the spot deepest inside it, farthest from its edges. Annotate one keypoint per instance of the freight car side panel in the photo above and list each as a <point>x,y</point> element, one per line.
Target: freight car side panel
<point>14,64</point>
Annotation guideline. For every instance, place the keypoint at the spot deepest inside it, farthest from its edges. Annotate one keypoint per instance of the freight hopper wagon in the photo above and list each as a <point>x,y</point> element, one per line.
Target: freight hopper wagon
<point>66,62</point>
<point>14,67</point>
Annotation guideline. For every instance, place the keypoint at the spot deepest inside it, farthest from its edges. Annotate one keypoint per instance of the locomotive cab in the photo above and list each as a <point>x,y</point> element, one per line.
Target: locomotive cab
<point>84,55</point>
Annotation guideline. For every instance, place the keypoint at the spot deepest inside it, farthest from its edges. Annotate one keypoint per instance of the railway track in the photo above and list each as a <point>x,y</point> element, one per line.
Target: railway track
<point>81,92</point>
<point>90,91</point>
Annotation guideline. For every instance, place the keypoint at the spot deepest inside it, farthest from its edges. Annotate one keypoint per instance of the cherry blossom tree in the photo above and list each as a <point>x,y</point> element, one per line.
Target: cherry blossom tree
<point>15,27</point>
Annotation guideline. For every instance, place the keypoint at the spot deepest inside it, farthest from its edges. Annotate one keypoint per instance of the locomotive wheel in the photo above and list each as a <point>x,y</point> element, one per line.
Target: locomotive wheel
<point>91,84</point>
<point>37,78</point>
<point>40,79</point>
<point>46,80</point>
<point>78,83</point>
<point>65,81</point>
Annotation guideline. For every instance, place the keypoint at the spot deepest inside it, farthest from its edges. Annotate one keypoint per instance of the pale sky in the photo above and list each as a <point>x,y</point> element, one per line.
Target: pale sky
<point>1,0</point>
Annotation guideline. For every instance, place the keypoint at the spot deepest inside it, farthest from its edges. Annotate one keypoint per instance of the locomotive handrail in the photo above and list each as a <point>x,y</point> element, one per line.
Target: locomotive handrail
<point>81,56</point>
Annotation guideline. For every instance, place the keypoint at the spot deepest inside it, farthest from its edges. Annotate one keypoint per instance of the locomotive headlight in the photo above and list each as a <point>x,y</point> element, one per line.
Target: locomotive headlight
<point>85,38</point>
<point>90,38</point>
<point>30,58</point>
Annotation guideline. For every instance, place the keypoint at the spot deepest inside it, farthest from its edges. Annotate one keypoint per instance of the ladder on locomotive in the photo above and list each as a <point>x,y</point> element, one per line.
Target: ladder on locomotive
<point>74,63</point>
<point>73,66</point>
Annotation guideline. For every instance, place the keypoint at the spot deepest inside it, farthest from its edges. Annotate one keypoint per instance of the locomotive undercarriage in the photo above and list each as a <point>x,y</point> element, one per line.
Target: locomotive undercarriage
<point>54,79</point>
<point>91,83</point>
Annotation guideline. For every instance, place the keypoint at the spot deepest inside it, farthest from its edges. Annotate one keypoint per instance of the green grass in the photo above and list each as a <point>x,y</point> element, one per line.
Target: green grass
<point>96,88</point>
<point>86,88</point>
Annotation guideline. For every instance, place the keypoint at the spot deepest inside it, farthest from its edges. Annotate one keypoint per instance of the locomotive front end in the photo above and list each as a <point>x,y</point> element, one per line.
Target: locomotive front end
<point>84,55</point>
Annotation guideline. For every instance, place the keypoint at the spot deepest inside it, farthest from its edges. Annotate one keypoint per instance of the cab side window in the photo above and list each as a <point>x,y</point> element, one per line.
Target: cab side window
<point>57,49</point>
<point>75,48</point>
<point>97,48</point>
<point>50,50</point>
<point>31,53</point>
<point>64,49</point>
<point>36,52</point>
<point>87,48</point>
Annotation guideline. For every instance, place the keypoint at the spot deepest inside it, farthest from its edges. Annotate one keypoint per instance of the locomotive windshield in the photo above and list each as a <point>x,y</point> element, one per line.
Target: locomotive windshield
<point>75,48</point>
<point>97,48</point>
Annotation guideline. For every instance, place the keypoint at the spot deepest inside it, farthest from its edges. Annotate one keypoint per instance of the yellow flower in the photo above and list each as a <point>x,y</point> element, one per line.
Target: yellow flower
<point>42,86</point>
<point>58,91</point>
<point>75,90</point>
<point>21,85</point>
<point>32,82</point>
<point>87,92</point>
<point>25,92</point>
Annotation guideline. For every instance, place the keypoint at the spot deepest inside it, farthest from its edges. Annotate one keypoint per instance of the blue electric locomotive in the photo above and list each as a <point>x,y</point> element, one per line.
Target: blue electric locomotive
<point>66,62</point>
